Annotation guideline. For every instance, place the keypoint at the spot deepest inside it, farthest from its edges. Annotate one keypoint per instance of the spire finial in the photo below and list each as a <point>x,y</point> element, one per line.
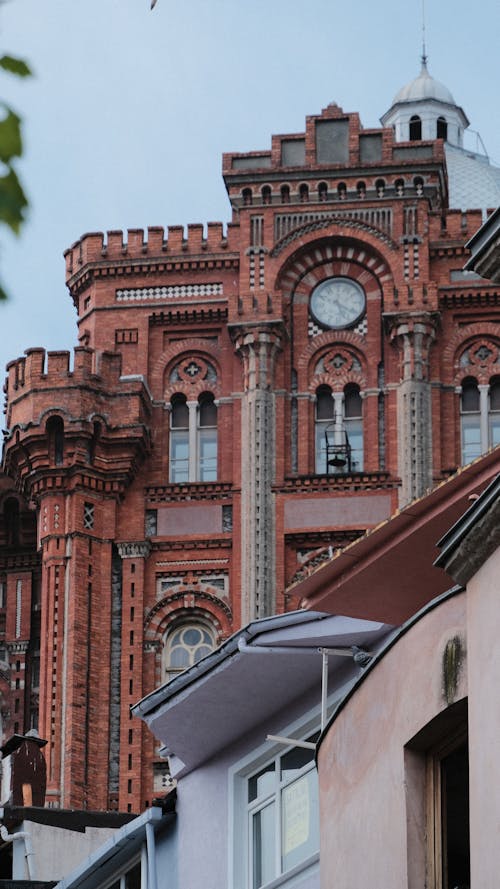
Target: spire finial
<point>424,53</point>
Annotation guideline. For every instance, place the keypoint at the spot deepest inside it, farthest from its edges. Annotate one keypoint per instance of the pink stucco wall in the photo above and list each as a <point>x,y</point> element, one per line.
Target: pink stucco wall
<point>483,618</point>
<point>372,790</point>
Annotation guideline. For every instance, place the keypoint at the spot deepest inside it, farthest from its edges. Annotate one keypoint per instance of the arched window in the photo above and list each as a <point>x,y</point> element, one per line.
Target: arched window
<point>247,197</point>
<point>418,183</point>
<point>441,128</point>
<point>184,645</point>
<point>179,439</point>
<point>11,522</point>
<point>193,439</point>
<point>399,185</point>
<point>361,190</point>
<point>266,194</point>
<point>415,128</point>
<point>470,411</point>
<point>322,191</point>
<point>207,439</point>
<point>304,193</point>
<point>380,188</point>
<point>353,420</point>
<point>338,430</point>
<point>55,434</point>
<point>494,412</point>
<point>285,194</point>
<point>341,191</point>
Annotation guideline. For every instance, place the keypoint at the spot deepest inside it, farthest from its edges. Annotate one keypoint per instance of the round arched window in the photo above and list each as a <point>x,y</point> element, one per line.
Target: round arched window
<point>185,645</point>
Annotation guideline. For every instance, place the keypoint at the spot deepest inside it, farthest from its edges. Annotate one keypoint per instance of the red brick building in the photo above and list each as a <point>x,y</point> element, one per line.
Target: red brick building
<point>241,402</point>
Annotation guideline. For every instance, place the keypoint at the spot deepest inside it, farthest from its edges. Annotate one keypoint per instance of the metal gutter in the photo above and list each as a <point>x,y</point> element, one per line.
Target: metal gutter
<point>151,702</point>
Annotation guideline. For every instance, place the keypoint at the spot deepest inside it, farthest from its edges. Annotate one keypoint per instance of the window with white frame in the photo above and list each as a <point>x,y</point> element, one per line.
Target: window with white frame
<point>185,644</point>
<point>282,815</point>
<point>479,417</point>
<point>339,430</point>
<point>193,439</point>
<point>130,878</point>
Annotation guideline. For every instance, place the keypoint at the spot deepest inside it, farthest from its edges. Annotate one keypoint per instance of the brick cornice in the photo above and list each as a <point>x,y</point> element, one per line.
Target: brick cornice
<point>365,481</point>
<point>158,266</point>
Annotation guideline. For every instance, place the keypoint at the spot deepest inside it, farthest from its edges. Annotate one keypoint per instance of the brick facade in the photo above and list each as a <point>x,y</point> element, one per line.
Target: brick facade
<point>128,547</point>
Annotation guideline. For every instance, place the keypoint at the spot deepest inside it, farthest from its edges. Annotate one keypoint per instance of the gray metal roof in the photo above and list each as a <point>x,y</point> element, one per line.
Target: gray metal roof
<point>424,87</point>
<point>473,182</point>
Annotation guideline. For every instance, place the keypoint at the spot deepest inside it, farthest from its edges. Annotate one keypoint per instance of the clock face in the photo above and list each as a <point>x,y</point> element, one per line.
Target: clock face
<point>337,303</point>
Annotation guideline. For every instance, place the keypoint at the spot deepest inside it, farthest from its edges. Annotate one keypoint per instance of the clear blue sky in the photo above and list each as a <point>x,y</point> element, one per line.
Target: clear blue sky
<point>130,110</point>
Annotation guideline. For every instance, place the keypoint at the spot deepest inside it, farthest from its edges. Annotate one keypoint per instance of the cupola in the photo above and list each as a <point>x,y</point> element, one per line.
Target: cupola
<point>425,109</point>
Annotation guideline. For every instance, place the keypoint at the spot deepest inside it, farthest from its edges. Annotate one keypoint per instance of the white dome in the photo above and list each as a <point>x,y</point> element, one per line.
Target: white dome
<point>424,87</point>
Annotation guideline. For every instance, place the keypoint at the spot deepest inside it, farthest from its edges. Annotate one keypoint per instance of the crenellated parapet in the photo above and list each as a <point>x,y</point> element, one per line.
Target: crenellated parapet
<point>85,421</point>
<point>153,250</point>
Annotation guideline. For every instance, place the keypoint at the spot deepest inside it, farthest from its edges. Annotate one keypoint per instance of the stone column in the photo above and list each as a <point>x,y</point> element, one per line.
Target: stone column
<point>258,346</point>
<point>413,335</point>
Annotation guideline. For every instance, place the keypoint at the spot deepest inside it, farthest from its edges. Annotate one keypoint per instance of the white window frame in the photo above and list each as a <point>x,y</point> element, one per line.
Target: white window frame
<point>121,873</point>
<point>192,435</point>
<point>482,420</point>
<point>240,853</point>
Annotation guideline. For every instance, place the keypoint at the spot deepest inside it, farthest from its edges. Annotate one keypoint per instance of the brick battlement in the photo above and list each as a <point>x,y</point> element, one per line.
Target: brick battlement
<point>454,225</point>
<point>96,247</point>
<point>39,369</point>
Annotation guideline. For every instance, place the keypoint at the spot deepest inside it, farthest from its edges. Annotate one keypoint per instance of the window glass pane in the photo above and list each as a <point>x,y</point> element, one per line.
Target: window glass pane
<point>300,820</point>
<point>352,402</point>
<point>324,405</point>
<point>179,457</point>
<point>262,783</point>
<point>192,636</point>
<point>321,447</point>
<point>180,415</point>
<point>494,429</point>
<point>354,429</point>
<point>179,658</point>
<point>295,760</point>
<point>208,455</point>
<point>133,878</point>
<point>207,413</point>
<point>263,841</point>
<point>471,438</point>
<point>470,396</point>
<point>495,394</point>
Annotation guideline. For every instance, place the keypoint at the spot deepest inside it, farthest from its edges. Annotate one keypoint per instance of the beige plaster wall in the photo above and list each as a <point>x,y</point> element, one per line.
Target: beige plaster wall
<point>371,794</point>
<point>483,616</point>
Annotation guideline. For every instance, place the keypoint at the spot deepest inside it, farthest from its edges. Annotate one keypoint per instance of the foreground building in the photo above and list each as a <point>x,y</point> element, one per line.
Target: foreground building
<point>409,748</point>
<point>242,403</point>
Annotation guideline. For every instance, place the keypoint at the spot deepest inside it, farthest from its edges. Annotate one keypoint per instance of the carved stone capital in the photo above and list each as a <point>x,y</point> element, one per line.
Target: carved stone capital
<point>135,550</point>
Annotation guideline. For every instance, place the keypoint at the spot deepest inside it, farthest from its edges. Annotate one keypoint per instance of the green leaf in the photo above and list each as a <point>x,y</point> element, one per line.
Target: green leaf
<point>15,66</point>
<point>10,136</point>
<point>12,201</point>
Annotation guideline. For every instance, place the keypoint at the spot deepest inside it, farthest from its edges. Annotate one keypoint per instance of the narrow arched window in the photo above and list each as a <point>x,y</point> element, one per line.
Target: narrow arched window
<point>353,421</point>
<point>55,434</point>
<point>322,191</point>
<point>285,194</point>
<point>207,439</point>
<point>399,186</point>
<point>418,183</point>
<point>324,422</point>
<point>304,193</point>
<point>361,190</point>
<point>441,128</point>
<point>470,420</point>
<point>415,128</point>
<point>494,412</point>
<point>247,197</point>
<point>341,191</point>
<point>179,439</point>
<point>266,194</point>
<point>185,644</point>
<point>11,522</point>
<point>380,188</point>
